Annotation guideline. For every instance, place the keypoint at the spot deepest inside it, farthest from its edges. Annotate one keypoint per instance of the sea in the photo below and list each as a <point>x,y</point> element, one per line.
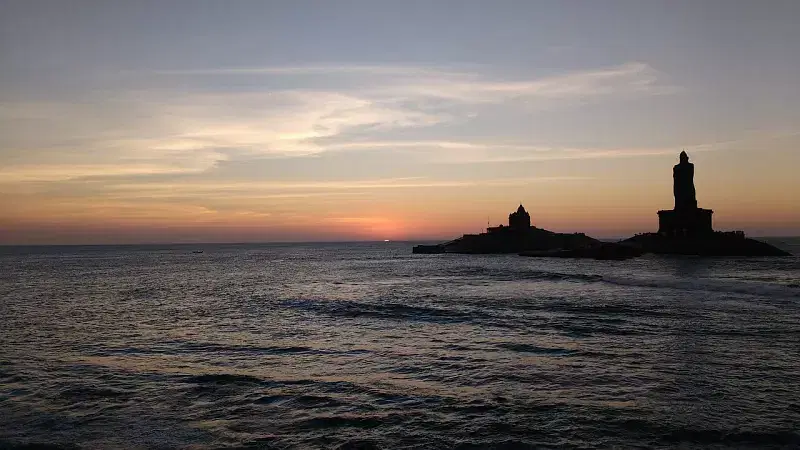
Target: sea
<point>366,345</point>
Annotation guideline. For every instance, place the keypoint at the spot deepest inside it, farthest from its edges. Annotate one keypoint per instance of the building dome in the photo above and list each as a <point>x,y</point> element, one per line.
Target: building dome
<point>519,219</point>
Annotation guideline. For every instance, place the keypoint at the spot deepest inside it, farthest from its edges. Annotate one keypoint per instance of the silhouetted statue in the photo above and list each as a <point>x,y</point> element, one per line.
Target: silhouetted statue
<point>688,230</point>
<point>683,184</point>
<point>686,219</point>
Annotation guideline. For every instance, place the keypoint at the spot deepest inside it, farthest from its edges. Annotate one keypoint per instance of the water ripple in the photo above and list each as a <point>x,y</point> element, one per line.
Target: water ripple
<point>363,346</point>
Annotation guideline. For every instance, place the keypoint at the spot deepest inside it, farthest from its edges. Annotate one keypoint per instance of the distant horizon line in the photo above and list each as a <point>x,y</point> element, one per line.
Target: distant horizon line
<point>383,241</point>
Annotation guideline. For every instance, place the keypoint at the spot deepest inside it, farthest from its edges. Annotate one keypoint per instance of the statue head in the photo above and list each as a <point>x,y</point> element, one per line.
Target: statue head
<point>684,157</point>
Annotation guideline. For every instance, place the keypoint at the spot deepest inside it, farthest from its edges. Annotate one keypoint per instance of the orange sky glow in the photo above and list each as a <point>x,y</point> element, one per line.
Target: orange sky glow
<point>139,123</point>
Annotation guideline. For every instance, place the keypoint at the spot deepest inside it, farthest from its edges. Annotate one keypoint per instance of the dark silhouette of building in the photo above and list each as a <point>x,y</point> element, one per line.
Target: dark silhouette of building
<point>520,219</point>
<point>686,219</point>
<point>518,236</point>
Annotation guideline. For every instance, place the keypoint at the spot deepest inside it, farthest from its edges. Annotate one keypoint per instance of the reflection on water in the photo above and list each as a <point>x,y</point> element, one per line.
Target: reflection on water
<point>317,346</point>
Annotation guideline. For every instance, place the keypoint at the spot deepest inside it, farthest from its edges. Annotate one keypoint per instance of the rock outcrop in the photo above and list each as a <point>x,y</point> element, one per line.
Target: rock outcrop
<point>687,229</point>
<point>716,244</point>
<point>683,230</point>
<point>522,238</point>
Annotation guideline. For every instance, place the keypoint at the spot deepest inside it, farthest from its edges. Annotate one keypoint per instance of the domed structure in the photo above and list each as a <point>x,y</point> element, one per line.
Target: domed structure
<point>519,220</point>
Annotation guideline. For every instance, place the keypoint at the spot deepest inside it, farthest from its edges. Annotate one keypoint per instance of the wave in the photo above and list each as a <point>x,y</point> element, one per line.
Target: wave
<point>525,348</point>
<point>680,434</point>
<point>394,311</point>
<point>754,438</point>
<point>338,387</point>
<point>10,445</point>
<point>89,393</point>
<point>8,377</point>
<point>175,347</point>
<point>707,285</point>
<point>343,421</point>
<point>463,312</point>
<point>767,286</point>
<point>223,378</point>
<point>305,401</point>
<point>508,274</point>
<point>760,287</point>
<point>598,310</point>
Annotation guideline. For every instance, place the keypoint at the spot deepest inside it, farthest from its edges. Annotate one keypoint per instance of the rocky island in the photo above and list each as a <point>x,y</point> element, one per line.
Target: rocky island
<point>687,229</point>
<point>519,236</point>
<point>683,230</point>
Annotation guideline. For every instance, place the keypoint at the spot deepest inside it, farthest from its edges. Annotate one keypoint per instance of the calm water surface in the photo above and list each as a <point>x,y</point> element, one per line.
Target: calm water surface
<point>369,346</point>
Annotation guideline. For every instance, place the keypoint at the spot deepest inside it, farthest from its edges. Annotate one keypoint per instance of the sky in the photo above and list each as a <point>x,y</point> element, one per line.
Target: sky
<point>155,121</point>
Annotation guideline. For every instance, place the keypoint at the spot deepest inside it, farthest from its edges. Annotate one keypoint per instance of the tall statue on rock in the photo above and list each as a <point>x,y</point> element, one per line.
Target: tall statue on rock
<point>683,184</point>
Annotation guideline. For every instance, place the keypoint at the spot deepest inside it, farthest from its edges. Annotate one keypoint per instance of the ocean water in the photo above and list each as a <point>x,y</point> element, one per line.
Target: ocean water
<point>368,346</point>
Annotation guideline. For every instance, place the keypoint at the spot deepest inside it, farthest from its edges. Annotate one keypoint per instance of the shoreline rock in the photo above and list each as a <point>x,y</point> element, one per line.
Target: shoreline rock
<point>511,240</point>
<point>683,230</point>
<point>715,244</point>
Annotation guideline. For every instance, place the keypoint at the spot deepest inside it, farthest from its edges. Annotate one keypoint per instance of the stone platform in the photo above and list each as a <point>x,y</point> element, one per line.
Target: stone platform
<point>714,244</point>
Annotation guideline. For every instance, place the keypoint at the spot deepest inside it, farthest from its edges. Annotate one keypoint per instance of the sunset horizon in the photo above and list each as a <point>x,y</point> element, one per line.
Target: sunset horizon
<point>129,123</point>
<point>386,224</point>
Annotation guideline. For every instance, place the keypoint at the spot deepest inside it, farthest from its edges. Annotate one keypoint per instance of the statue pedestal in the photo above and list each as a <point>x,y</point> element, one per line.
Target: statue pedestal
<point>685,222</point>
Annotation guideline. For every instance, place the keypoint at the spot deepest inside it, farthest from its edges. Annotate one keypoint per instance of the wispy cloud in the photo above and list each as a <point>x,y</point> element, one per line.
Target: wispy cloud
<point>358,69</point>
<point>177,131</point>
<point>466,152</point>
<point>49,173</point>
<point>467,85</point>
<point>258,187</point>
<point>626,79</point>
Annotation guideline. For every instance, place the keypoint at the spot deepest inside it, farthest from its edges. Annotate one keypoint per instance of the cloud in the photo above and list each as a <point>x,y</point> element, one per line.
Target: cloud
<point>466,152</point>
<point>466,86</point>
<point>180,131</point>
<point>329,187</point>
<point>374,70</point>
<point>626,79</point>
<point>48,173</point>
